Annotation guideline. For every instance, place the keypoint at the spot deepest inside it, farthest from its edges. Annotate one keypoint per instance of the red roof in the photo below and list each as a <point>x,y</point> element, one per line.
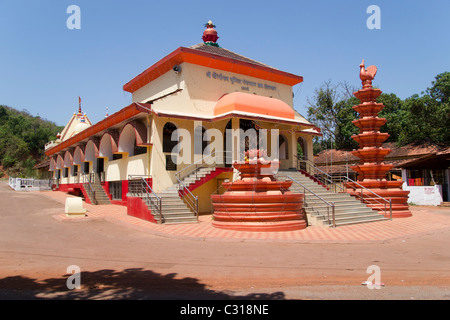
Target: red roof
<point>217,58</point>
<point>121,115</point>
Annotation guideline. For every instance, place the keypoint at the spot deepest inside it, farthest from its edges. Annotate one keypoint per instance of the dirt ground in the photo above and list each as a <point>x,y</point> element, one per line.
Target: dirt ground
<point>118,262</point>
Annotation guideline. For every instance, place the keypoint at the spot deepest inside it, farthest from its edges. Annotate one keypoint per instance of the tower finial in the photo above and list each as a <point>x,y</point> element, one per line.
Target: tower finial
<point>210,34</point>
<point>79,106</point>
<point>367,75</point>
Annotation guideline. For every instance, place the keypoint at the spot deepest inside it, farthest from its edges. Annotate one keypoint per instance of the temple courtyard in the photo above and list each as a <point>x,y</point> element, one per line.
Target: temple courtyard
<point>123,257</point>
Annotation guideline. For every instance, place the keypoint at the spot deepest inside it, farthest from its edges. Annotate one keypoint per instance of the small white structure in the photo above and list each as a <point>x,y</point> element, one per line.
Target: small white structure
<point>74,206</point>
<point>24,184</point>
<point>424,195</point>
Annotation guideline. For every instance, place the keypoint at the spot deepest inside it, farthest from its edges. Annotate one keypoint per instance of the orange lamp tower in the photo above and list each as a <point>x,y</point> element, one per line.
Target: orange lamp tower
<point>371,168</point>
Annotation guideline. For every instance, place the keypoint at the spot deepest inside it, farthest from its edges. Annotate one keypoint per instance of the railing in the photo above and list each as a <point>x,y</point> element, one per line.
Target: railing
<point>188,197</point>
<point>101,176</point>
<point>56,182</point>
<point>330,205</point>
<point>369,196</point>
<point>138,184</point>
<point>89,187</point>
<point>342,184</point>
<point>76,177</point>
<point>51,144</point>
<point>93,177</point>
<point>319,175</point>
<point>29,184</point>
<point>205,162</point>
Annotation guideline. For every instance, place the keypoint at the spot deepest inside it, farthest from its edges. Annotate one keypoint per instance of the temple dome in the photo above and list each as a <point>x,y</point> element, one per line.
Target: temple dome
<point>252,103</point>
<point>80,127</point>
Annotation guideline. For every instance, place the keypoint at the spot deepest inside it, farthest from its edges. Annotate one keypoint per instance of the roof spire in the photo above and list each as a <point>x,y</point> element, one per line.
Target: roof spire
<point>210,35</point>
<point>79,106</point>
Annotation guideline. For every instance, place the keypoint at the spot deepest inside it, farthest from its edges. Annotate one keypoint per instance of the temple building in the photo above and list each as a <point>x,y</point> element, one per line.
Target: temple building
<point>187,123</point>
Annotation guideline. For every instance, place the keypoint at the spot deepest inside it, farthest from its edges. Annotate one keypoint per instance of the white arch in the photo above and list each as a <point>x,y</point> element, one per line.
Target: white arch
<point>52,165</point>
<point>127,140</point>
<point>59,162</point>
<point>105,149</point>
<point>78,156</point>
<point>91,151</point>
<point>68,159</point>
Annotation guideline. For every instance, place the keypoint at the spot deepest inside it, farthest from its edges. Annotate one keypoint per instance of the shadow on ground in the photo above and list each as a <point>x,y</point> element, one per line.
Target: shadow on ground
<point>129,284</point>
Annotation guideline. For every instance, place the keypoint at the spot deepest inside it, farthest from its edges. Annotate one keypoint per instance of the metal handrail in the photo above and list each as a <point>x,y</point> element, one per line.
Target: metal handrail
<point>328,179</point>
<point>333,183</point>
<point>190,197</point>
<point>147,192</point>
<point>386,201</point>
<point>329,204</point>
<point>90,188</point>
<point>198,164</point>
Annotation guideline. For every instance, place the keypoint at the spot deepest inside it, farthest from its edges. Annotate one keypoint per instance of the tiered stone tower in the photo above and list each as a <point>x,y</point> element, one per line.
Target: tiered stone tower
<point>371,168</point>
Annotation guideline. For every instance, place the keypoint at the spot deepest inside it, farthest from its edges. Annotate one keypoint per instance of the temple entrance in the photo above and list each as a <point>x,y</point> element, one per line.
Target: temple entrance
<point>249,140</point>
<point>100,170</point>
<point>100,165</point>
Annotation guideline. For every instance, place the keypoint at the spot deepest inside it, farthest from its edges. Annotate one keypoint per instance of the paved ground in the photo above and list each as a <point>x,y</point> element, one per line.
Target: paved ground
<point>122,257</point>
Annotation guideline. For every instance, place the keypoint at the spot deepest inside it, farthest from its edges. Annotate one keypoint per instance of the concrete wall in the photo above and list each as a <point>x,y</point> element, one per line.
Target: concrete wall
<point>120,169</point>
<point>201,87</point>
<point>424,195</point>
<point>208,188</point>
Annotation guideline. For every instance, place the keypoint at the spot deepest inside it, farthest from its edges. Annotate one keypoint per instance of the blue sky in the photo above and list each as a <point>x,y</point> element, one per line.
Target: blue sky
<point>44,66</point>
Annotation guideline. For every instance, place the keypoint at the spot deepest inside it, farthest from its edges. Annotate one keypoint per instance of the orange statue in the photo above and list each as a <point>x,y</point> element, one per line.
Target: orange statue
<point>258,202</point>
<point>367,75</point>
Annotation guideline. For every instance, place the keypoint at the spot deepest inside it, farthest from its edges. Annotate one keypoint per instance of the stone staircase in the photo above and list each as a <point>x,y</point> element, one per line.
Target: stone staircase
<point>100,195</point>
<point>348,210</point>
<point>174,209</point>
<point>197,175</point>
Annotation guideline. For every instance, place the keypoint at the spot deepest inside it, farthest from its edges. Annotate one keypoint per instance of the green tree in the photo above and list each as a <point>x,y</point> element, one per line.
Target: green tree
<point>425,120</point>
<point>331,109</point>
<point>440,89</point>
<point>22,140</point>
<point>427,117</point>
<point>394,113</point>
<point>345,127</point>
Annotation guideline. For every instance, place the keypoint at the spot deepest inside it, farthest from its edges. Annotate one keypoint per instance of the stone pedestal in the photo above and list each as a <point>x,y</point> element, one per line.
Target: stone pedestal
<point>258,202</point>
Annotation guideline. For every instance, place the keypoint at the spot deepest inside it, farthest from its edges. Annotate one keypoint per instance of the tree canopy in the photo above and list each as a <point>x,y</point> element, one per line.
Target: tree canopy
<point>22,140</point>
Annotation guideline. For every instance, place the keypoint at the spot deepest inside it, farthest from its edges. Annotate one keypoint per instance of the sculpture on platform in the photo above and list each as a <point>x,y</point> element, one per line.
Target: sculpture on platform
<point>257,201</point>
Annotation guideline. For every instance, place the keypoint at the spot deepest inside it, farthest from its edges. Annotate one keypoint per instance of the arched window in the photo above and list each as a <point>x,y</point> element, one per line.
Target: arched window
<point>168,143</point>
